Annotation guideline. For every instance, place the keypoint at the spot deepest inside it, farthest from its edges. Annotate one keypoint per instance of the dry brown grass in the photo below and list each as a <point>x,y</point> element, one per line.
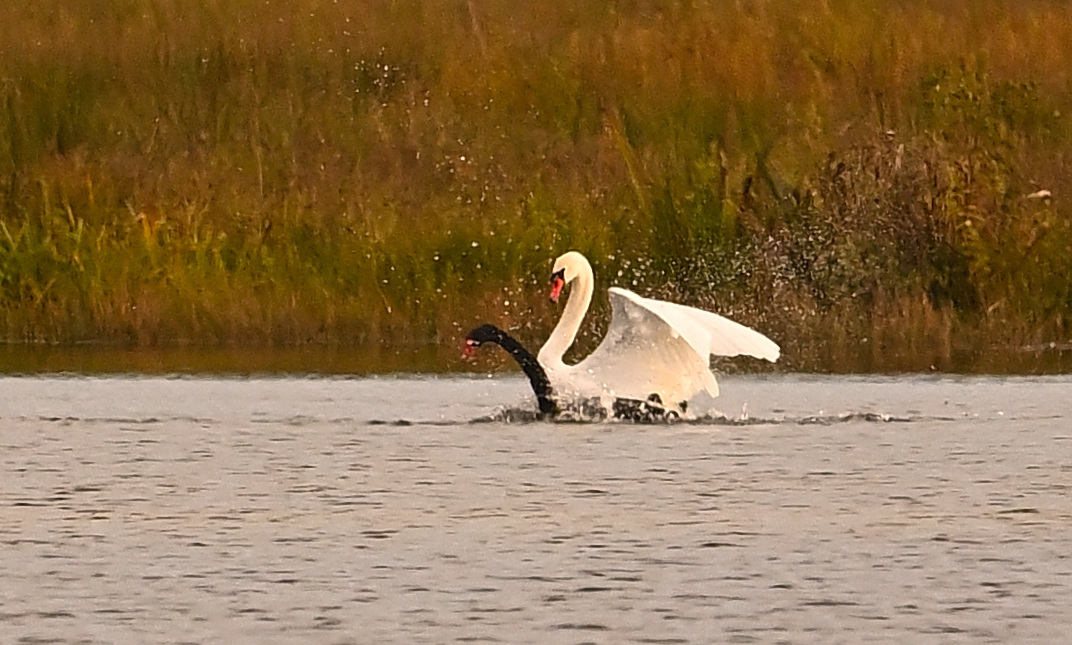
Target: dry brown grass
<point>296,172</point>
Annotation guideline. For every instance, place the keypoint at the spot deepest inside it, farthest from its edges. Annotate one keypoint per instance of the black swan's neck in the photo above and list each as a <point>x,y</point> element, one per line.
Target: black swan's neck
<point>541,385</point>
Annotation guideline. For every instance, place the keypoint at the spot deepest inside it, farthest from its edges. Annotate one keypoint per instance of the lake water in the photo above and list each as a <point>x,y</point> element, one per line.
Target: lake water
<point>376,510</point>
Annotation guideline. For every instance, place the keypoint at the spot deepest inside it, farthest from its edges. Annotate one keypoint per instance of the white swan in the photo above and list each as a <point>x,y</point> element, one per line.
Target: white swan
<point>651,346</point>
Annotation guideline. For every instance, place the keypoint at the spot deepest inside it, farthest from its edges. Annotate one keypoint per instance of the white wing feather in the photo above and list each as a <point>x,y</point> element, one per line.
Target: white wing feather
<point>708,333</point>
<point>656,347</point>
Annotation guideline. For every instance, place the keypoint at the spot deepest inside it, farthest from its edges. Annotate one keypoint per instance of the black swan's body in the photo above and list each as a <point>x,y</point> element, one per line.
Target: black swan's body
<point>649,410</point>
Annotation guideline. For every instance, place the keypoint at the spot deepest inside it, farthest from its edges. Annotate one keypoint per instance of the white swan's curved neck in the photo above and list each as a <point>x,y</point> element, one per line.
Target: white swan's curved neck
<point>569,324</point>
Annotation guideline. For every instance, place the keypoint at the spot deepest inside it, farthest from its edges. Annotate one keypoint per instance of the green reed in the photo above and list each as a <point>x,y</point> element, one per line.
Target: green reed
<point>852,178</point>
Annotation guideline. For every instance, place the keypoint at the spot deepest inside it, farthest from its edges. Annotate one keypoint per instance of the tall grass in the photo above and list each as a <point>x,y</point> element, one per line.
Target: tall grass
<point>852,178</point>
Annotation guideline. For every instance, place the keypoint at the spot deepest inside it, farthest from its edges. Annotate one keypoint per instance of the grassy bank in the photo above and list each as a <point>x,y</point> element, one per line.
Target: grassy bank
<point>860,180</point>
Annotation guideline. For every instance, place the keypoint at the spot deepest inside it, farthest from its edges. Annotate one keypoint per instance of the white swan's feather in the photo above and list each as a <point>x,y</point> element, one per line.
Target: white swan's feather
<point>708,333</point>
<point>642,354</point>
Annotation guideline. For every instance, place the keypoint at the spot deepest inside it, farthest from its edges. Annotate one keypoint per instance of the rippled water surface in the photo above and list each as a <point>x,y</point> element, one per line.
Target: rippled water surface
<point>394,510</point>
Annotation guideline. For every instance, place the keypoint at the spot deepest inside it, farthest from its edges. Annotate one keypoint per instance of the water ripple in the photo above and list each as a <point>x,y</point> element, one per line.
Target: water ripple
<point>927,512</point>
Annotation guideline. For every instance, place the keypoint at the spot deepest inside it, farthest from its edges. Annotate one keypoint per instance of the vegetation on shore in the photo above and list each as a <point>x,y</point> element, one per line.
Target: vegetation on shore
<point>875,185</point>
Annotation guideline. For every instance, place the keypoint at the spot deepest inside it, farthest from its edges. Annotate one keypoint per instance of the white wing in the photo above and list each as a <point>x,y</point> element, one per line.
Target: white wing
<point>656,347</point>
<point>708,333</point>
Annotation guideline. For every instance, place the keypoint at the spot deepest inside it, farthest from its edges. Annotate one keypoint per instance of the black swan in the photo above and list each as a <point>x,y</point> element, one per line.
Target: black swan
<point>648,410</point>
<point>537,377</point>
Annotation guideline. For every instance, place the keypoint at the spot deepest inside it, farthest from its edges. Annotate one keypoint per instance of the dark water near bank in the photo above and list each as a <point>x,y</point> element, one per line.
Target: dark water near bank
<point>819,509</point>
<point>445,357</point>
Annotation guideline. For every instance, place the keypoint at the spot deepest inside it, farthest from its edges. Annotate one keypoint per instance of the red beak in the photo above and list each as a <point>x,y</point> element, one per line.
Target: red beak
<point>468,351</point>
<point>556,288</point>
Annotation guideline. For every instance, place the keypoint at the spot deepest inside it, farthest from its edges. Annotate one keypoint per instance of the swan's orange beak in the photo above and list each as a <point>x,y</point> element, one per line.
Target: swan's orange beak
<point>556,287</point>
